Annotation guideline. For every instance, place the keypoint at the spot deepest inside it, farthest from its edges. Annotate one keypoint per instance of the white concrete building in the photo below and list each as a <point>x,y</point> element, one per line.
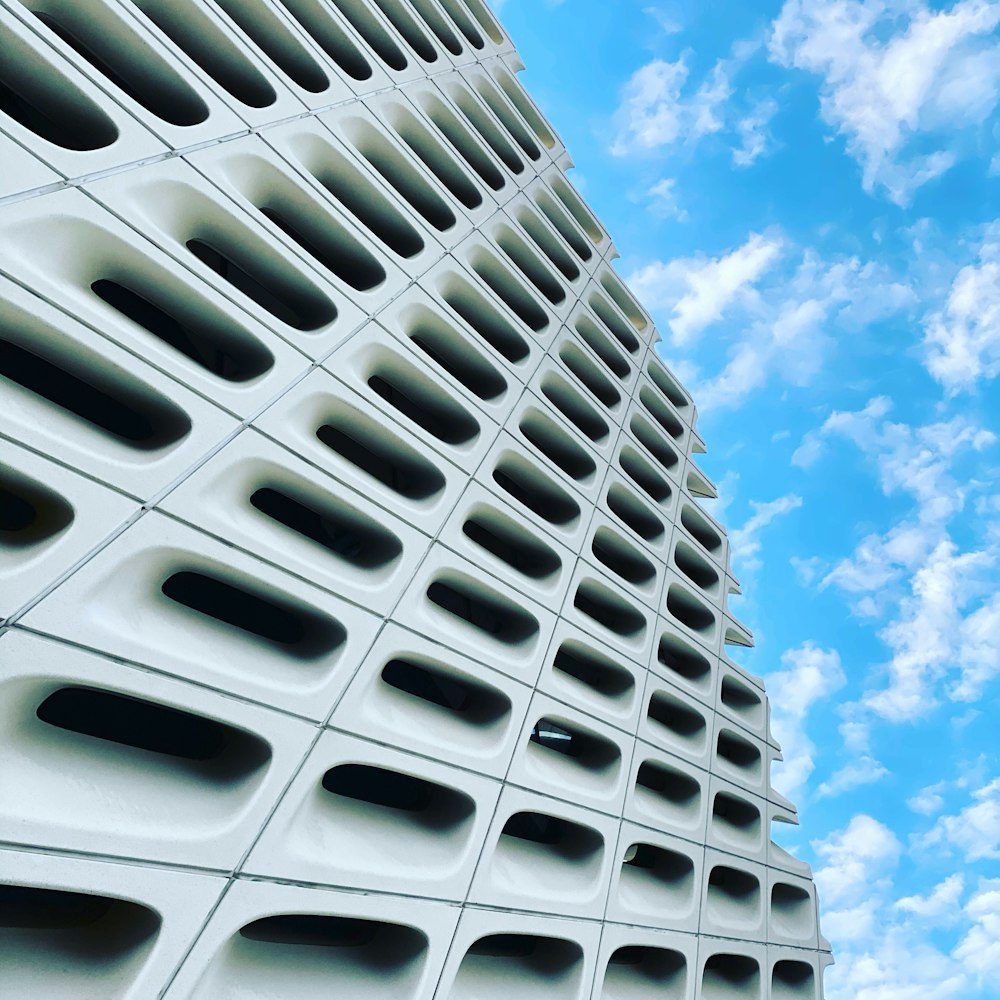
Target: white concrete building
<point>361,632</point>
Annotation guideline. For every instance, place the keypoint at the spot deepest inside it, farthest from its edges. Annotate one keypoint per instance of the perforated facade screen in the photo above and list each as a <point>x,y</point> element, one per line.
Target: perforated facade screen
<point>363,633</point>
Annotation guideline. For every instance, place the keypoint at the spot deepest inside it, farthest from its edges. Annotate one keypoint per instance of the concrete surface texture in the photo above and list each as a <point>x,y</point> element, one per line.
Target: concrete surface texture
<point>363,634</point>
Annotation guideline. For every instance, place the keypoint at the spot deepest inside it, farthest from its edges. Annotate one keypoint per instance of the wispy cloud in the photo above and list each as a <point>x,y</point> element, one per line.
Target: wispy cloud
<point>893,72</point>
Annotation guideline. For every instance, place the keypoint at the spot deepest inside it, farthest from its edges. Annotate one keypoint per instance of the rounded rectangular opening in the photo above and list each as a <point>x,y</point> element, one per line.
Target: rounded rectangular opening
<point>666,385</point>
<point>509,289</point>
<point>793,913</point>
<point>483,319</point>
<point>728,976</point>
<point>653,442</point>
<point>330,37</point>
<point>684,660</point>
<point>622,558</point>
<point>655,881</point>
<point>606,314</point>
<point>491,97</point>
<point>556,445</point>
<point>793,980</point>
<point>689,611</point>
<point>733,898</point>
<point>741,753</point>
<point>697,569</point>
<point>574,407</point>
<point>539,835</point>
<point>370,28</point>
<point>680,721</point>
<point>575,745</point>
<point>623,299</point>
<point>289,626</point>
<point>512,543</point>
<point>637,972</point>
<point>612,358</point>
<point>742,700</point>
<point>462,140</point>
<point>607,608</point>
<point>667,793</point>
<point>597,673</point>
<point>661,413</point>
<point>735,821</point>
<point>477,117</point>
<point>700,529</point>
<point>483,609</point>
<point>373,450</point>
<point>565,228</point>
<point>532,488</point>
<point>547,243</point>
<point>529,264</point>
<point>62,943</point>
<point>519,965</point>
<point>633,513</point>
<point>644,475</point>
<point>30,513</point>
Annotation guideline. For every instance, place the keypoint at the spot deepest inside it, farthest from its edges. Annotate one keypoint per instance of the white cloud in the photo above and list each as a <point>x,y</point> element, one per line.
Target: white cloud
<point>655,112</point>
<point>744,541</point>
<point>927,801</point>
<point>698,290</point>
<point>864,770</point>
<point>940,906</point>
<point>663,200</point>
<point>893,71</point>
<point>975,831</point>
<point>752,130</point>
<point>856,862</point>
<point>962,340</point>
<point>979,950</point>
<point>809,675</point>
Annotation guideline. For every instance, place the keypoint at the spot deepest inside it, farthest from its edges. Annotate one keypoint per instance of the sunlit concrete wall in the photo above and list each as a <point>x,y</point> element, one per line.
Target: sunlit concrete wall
<point>363,634</point>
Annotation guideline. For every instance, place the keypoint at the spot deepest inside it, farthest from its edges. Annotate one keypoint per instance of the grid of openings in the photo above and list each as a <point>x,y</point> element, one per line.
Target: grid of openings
<point>363,632</point>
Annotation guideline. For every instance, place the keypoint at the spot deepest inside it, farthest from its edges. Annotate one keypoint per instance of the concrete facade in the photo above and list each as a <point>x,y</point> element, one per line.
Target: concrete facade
<point>361,632</point>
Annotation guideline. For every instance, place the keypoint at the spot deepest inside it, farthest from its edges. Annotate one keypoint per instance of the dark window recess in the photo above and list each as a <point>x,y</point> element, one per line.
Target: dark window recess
<point>367,446</point>
<point>738,751</point>
<point>368,205</point>
<point>450,423</point>
<point>134,414</point>
<point>651,967</point>
<point>688,610</point>
<point>266,30</point>
<point>225,753</point>
<point>570,841</point>
<point>653,443</point>
<point>566,229</point>
<point>579,413</point>
<point>642,474</point>
<point>304,310</point>
<point>375,946</point>
<point>464,23</point>
<point>495,616</point>
<point>608,609</point>
<point>700,528</point>
<point>330,37</point>
<point>486,322</point>
<point>682,659</point>
<point>401,20</point>
<point>666,385</point>
<point>148,81</point>
<point>593,670</point>
<point>437,160</point>
<point>47,103</point>
<point>634,513</point>
<point>474,704</point>
<point>437,24</point>
<point>739,698</point>
<point>661,413</point>
<point>503,959</point>
<point>589,375</point>
<point>476,115</point>
<point>586,749</point>
<point>467,367</point>
<point>602,347</point>
<point>371,30</point>
<point>508,118</point>
<point>622,559</point>
<point>557,446</point>
<point>797,977</point>
<point>234,358</point>
<point>673,786</point>
<point>510,291</point>
<point>91,929</point>
<point>30,513</point>
<point>737,973</point>
<point>302,632</point>
<point>401,176</point>
<point>196,34</point>
<point>344,531</point>
<point>535,491</point>
<point>610,319</point>
<point>694,567</point>
<point>464,144</point>
<point>674,715</point>
<point>513,545</point>
<point>434,806</point>
<point>669,867</point>
<point>736,813</point>
<point>530,266</point>
<point>737,885</point>
<point>339,254</point>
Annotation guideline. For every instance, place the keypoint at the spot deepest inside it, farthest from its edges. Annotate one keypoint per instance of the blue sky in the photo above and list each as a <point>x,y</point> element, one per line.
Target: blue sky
<point>806,195</point>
